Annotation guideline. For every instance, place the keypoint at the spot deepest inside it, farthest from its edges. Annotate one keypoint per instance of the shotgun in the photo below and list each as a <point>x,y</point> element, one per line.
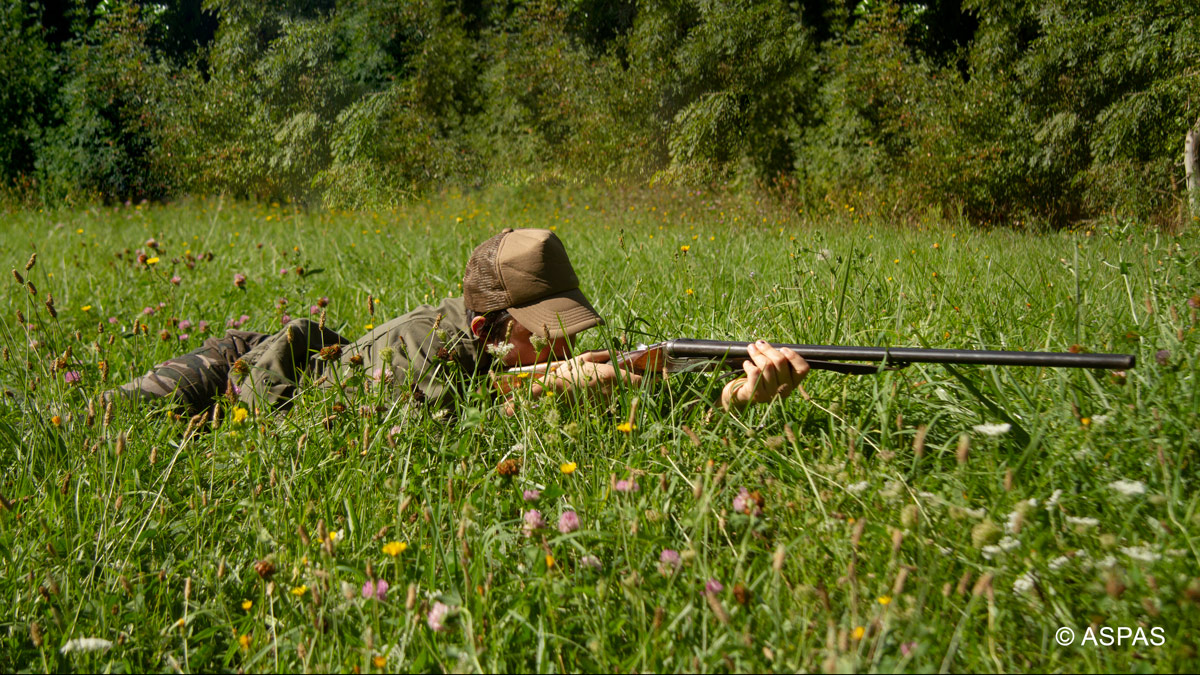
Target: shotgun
<point>684,355</point>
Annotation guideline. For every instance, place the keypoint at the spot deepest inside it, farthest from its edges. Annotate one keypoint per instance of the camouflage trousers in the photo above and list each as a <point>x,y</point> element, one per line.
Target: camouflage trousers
<point>255,368</point>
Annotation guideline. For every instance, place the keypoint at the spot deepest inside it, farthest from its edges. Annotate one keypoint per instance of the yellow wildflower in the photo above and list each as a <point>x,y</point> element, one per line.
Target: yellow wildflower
<point>568,467</point>
<point>395,548</point>
<point>244,641</point>
<point>152,261</point>
<point>685,248</point>
<point>549,561</point>
<point>85,308</point>
<point>299,590</point>
<point>369,326</point>
<point>247,604</point>
<point>626,427</point>
<point>379,661</point>
<point>689,292</point>
<point>858,632</point>
<point>240,414</point>
<point>56,421</point>
<point>885,600</point>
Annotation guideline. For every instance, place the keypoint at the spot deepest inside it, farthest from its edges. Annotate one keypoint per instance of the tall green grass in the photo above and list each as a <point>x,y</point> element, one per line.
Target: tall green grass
<point>893,534</point>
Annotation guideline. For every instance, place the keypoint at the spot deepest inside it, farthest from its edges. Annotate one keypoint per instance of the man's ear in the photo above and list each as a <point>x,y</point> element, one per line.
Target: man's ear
<point>477,325</point>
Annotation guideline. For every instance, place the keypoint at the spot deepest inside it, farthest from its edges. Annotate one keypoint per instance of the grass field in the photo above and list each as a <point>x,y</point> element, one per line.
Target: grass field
<point>900,529</point>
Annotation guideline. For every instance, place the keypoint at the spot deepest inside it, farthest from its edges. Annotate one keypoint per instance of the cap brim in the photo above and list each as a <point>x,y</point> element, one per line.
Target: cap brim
<point>560,315</point>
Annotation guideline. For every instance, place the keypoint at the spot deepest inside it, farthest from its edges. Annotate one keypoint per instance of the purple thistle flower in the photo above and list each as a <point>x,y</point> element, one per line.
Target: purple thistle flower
<point>185,324</point>
<point>437,617</point>
<point>712,586</point>
<point>283,320</point>
<point>533,521</point>
<point>71,377</point>
<point>531,495</point>
<point>112,320</point>
<point>283,271</point>
<point>375,589</point>
<point>243,319</point>
<point>175,280</point>
<point>568,522</point>
<point>626,485</point>
<point>1162,357</point>
<point>314,310</point>
<point>148,311</point>
<point>183,337</point>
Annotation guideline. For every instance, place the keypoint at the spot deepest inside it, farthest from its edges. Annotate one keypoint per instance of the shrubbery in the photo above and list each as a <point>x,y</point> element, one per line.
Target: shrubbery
<point>1006,110</point>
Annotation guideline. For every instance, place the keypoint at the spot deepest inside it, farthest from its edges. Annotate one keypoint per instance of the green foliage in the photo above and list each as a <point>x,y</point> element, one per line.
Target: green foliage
<point>111,113</point>
<point>27,68</point>
<point>1036,110</point>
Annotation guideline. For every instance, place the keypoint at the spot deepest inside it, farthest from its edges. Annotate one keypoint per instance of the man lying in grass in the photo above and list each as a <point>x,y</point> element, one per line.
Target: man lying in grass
<point>521,306</point>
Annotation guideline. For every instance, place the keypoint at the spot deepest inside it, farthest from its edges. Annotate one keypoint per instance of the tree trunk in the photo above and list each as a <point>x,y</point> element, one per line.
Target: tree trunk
<point>1191,166</point>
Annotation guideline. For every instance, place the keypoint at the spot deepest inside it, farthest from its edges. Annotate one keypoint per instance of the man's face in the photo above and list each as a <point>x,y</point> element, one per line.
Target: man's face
<point>524,353</point>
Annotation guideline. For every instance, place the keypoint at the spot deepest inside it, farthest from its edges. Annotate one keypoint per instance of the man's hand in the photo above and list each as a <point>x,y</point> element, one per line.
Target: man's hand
<point>770,373</point>
<point>590,371</point>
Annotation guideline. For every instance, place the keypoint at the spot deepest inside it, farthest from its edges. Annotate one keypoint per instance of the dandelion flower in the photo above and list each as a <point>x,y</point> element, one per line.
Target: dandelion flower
<point>395,548</point>
<point>85,308</point>
<point>884,600</point>
<point>244,641</point>
<point>299,591</point>
<point>685,248</point>
<point>859,631</point>
<point>568,467</point>
<point>240,414</point>
<point>247,604</point>
<point>152,261</point>
<point>626,427</point>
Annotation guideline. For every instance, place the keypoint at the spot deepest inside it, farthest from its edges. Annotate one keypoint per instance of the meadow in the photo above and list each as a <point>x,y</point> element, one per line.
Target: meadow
<point>924,519</point>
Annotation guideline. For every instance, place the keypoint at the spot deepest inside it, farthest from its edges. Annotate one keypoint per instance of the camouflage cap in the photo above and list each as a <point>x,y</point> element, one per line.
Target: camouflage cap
<point>528,273</point>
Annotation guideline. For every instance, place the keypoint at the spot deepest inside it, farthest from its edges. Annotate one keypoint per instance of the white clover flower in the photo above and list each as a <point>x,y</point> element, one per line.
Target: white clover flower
<point>1142,553</point>
<point>1057,563</point>
<point>1100,420</point>
<point>1128,488</point>
<point>1053,500</point>
<point>499,351</point>
<point>1024,583</point>
<point>824,254</point>
<point>517,448</point>
<point>992,429</point>
<point>1014,521</point>
<point>991,551</point>
<point>1082,522</point>
<point>91,644</point>
<point>857,488</point>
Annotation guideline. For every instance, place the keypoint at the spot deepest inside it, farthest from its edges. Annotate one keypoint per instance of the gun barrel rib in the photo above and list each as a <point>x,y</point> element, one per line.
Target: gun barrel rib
<point>737,351</point>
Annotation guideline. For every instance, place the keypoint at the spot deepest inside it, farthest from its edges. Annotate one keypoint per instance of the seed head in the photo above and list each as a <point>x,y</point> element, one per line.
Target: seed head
<point>265,569</point>
<point>32,261</point>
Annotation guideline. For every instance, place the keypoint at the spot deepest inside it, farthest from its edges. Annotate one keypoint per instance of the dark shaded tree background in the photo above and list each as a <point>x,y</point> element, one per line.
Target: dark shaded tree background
<point>1045,111</point>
